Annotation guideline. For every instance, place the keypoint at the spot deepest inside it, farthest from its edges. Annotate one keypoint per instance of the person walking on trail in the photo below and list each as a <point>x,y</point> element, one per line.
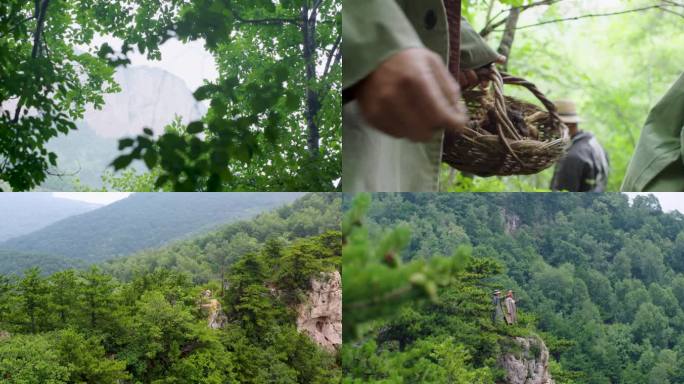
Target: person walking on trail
<point>584,168</point>
<point>658,161</point>
<point>510,310</point>
<point>497,314</point>
<point>398,94</point>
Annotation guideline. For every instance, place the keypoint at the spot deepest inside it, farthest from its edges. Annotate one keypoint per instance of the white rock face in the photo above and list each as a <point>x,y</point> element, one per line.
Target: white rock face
<point>320,315</point>
<point>527,363</point>
<point>212,309</point>
<point>150,97</point>
<point>511,222</point>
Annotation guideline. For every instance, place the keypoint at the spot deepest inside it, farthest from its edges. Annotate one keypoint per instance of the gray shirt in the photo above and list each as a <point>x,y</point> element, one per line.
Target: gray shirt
<point>584,168</point>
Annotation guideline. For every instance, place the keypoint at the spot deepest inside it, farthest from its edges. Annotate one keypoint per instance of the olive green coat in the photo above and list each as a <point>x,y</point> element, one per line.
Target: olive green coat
<point>373,31</point>
<point>657,163</point>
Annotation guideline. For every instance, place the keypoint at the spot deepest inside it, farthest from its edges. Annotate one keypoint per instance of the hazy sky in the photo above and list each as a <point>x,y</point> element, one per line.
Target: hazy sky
<point>93,197</point>
<point>191,62</point>
<point>669,201</point>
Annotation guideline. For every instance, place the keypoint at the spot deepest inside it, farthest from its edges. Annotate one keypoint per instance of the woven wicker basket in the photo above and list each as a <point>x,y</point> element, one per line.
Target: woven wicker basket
<point>506,136</point>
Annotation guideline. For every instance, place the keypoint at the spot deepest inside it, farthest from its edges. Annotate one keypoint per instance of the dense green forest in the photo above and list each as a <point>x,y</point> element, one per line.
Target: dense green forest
<point>599,279</point>
<point>615,58</point>
<point>274,108</point>
<point>89,326</point>
<point>143,220</point>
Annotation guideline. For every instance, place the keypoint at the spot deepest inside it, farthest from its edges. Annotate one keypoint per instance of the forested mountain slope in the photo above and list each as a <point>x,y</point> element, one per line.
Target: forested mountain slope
<point>150,324</point>
<point>143,220</point>
<point>207,255</point>
<point>601,279</point>
<point>14,220</point>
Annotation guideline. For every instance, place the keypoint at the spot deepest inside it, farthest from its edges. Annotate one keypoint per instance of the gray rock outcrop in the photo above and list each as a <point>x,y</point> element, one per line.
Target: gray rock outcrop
<point>212,309</point>
<point>149,97</point>
<point>526,361</point>
<point>320,315</point>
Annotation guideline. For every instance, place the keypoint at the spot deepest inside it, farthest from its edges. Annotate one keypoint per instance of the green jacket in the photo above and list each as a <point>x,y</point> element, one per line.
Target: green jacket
<point>657,163</point>
<point>373,31</point>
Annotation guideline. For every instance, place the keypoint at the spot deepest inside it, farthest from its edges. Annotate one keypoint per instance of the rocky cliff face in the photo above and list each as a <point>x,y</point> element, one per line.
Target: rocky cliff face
<point>511,222</point>
<point>212,309</point>
<point>320,315</point>
<point>149,97</point>
<point>526,361</point>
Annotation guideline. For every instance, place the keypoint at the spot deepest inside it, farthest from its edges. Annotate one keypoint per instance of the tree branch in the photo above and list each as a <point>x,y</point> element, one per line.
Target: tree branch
<point>491,25</point>
<point>590,15</point>
<point>316,5</point>
<point>15,26</point>
<point>672,12</point>
<point>267,21</point>
<point>509,34</point>
<point>331,54</point>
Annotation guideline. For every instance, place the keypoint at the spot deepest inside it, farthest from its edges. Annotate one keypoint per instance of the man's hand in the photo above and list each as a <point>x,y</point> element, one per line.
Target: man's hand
<point>471,78</point>
<point>412,95</point>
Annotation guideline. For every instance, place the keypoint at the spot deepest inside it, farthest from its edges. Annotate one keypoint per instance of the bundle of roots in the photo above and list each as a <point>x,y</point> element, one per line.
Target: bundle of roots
<point>506,136</point>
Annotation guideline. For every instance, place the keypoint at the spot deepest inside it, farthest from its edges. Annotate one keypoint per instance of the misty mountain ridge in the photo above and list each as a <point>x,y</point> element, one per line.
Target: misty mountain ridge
<point>23,213</point>
<point>140,221</point>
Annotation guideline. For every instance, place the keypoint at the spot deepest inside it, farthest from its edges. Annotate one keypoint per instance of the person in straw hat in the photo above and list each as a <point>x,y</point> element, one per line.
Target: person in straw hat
<point>510,309</point>
<point>497,314</point>
<point>398,94</point>
<point>585,167</point>
<point>658,161</point>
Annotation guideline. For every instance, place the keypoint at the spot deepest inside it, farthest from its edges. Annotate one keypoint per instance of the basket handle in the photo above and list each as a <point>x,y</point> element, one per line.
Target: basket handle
<point>550,106</point>
<point>498,80</point>
<point>501,113</point>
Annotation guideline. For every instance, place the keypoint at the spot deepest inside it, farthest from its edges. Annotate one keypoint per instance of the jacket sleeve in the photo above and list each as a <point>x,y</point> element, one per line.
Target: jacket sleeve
<point>661,143</point>
<point>475,52</point>
<point>372,31</point>
<point>569,175</point>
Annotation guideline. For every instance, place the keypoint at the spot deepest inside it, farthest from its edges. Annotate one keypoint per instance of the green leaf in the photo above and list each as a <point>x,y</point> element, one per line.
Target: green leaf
<point>122,162</point>
<point>292,101</point>
<point>195,127</point>
<point>161,180</point>
<point>204,92</point>
<point>125,143</point>
<point>150,158</point>
<point>148,131</point>
<point>53,158</point>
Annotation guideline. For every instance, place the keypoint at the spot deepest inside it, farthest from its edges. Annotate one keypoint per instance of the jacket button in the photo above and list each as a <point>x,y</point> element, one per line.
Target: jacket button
<point>430,19</point>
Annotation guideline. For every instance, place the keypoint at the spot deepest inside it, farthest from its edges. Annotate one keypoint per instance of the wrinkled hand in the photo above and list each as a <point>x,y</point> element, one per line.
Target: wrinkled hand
<point>412,95</point>
<point>471,78</point>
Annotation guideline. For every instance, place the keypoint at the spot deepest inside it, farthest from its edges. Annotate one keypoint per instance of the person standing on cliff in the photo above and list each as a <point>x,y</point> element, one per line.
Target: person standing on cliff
<point>497,315</point>
<point>510,310</point>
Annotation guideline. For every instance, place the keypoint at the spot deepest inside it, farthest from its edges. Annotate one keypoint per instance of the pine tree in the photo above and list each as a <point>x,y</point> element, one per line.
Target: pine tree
<point>98,305</point>
<point>34,293</point>
<point>375,281</point>
<point>64,290</point>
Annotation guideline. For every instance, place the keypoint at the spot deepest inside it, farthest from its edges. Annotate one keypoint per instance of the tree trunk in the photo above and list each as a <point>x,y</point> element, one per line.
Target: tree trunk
<point>313,104</point>
<point>39,15</point>
<point>509,34</point>
<point>223,279</point>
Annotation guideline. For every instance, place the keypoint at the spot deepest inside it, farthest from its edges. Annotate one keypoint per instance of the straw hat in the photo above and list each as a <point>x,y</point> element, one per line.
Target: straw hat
<point>497,291</point>
<point>567,110</point>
